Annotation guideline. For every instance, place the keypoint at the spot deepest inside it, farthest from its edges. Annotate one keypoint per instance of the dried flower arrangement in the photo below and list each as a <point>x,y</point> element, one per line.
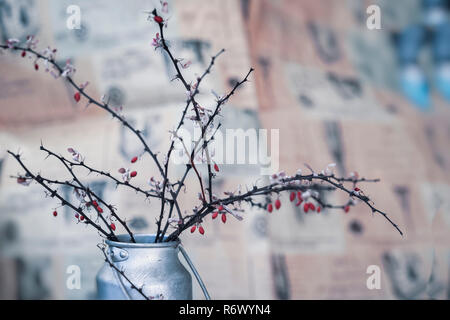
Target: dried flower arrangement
<point>303,188</point>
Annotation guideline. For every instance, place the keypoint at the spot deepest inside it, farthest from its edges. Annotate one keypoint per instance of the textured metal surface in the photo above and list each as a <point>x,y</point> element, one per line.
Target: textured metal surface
<point>155,266</point>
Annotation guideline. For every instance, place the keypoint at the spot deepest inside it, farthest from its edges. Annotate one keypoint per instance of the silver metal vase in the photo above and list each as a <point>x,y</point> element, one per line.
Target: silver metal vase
<point>153,266</point>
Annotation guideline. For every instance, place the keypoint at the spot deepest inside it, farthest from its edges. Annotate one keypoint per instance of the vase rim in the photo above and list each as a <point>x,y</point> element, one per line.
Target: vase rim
<point>142,241</point>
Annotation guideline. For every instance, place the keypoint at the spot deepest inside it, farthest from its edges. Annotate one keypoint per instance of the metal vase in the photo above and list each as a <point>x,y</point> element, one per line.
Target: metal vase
<point>153,266</point>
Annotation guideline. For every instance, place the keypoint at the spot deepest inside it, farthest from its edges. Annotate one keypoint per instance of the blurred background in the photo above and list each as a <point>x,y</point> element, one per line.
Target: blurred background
<point>343,81</point>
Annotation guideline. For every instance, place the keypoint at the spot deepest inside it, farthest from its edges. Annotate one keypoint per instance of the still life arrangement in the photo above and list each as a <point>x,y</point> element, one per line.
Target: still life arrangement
<point>141,266</point>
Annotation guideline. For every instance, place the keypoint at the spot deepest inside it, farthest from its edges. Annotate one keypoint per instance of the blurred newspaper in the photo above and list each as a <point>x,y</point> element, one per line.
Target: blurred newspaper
<point>312,81</point>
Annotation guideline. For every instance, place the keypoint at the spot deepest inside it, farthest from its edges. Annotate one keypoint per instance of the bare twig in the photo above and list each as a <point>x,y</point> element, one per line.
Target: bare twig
<point>121,272</point>
<point>278,187</point>
<point>64,202</point>
<point>68,165</point>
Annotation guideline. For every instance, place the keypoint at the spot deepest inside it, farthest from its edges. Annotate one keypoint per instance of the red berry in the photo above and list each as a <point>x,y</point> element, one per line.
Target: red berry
<point>306,207</point>
<point>299,195</point>
<point>158,19</point>
<point>292,196</point>
<point>77,215</point>
<point>133,174</point>
<point>99,210</point>
<point>134,159</point>
<point>270,207</point>
<point>21,180</point>
<point>277,204</point>
<point>347,209</point>
<point>113,226</point>
<point>77,96</point>
<point>216,167</point>
<point>215,214</point>
<point>319,209</point>
<point>201,230</point>
<point>193,229</point>
<point>94,203</point>
<point>24,54</point>
<point>220,208</point>
<point>224,217</point>
<point>357,189</point>
<point>312,207</point>
<point>36,67</point>
<point>299,202</point>
<point>55,213</point>
<point>82,218</point>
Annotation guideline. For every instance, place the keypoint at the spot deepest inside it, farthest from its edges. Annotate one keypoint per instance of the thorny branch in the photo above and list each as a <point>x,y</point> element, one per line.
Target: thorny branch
<point>168,192</point>
<point>121,272</point>
<point>55,194</point>
<point>91,100</point>
<point>191,99</point>
<point>285,184</point>
<point>68,165</point>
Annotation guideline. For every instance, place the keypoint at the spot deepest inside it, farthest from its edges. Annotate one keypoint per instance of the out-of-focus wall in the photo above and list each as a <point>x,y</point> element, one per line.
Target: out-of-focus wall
<point>332,85</point>
<point>322,78</point>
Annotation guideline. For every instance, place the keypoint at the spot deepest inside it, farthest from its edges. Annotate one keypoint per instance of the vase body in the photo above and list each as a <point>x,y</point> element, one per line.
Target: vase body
<point>153,266</point>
